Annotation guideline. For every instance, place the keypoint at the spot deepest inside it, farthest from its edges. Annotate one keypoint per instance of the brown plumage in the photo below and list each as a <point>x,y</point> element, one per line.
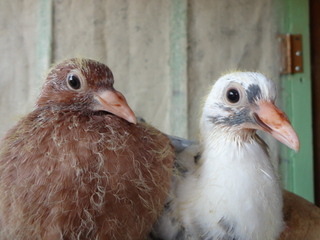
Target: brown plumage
<point>302,218</point>
<point>78,166</point>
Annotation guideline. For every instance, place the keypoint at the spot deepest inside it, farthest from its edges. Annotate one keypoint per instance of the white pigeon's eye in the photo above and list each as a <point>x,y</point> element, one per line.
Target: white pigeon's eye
<point>75,81</point>
<point>233,95</point>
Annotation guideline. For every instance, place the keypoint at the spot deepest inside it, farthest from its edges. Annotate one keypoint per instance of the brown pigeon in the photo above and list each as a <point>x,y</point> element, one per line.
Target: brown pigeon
<point>79,166</point>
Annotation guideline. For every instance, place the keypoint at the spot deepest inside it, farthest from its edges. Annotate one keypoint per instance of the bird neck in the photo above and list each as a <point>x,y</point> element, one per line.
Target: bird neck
<point>216,134</point>
<point>231,144</point>
<point>66,108</point>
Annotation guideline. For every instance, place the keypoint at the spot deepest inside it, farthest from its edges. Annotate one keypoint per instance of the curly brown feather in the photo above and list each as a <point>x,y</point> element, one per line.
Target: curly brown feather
<point>69,175</point>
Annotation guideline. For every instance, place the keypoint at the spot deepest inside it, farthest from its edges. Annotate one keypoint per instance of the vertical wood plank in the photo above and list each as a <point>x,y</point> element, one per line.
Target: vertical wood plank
<point>43,44</point>
<point>17,60</point>
<point>297,168</point>
<point>315,63</point>
<point>178,68</point>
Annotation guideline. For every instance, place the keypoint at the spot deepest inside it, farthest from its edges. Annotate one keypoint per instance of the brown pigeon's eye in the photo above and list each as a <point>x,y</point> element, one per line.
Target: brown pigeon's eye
<point>74,82</point>
<point>233,95</point>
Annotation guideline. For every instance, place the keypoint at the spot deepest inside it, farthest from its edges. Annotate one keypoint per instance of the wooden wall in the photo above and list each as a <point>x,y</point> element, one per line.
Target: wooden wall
<point>164,54</point>
<point>133,38</point>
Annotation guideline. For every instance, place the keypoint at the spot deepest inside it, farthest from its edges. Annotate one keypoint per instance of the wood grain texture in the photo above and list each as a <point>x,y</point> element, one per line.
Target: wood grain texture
<point>178,69</point>
<point>17,60</point>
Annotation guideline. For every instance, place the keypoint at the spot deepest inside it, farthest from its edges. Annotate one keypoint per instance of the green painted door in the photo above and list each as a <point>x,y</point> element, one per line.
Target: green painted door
<point>297,168</point>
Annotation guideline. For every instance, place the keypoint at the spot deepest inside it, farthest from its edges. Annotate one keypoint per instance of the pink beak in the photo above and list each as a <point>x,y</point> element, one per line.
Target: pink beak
<point>274,121</point>
<point>114,102</point>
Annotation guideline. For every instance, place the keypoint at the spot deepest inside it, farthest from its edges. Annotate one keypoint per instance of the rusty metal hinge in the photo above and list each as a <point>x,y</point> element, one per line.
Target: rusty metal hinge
<point>290,49</point>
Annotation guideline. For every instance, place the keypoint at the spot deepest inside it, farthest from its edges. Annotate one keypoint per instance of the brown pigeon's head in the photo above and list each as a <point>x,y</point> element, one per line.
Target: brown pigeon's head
<point>84,85</point>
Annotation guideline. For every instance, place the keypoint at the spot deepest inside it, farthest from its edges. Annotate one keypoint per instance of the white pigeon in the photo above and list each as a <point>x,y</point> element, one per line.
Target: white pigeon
<point>230,190</point>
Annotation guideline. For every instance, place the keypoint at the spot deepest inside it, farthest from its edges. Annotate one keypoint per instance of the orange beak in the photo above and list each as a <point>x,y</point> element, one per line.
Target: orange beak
<point>274,121</point>
<point>114,102</point>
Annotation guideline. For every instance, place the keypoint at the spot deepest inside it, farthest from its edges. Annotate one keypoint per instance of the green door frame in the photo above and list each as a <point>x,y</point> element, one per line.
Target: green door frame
<point>297,168</point>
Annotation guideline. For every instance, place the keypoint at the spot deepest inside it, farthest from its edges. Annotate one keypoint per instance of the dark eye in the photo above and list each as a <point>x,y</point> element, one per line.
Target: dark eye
<point>233,95</point>
<point>74,82</point>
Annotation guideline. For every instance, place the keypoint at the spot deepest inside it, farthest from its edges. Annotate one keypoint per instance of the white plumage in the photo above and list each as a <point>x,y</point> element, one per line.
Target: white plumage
<point>230,190</point>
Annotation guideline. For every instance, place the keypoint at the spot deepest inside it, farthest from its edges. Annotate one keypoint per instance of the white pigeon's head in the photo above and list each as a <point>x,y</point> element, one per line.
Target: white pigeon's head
<point>244,101</point>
